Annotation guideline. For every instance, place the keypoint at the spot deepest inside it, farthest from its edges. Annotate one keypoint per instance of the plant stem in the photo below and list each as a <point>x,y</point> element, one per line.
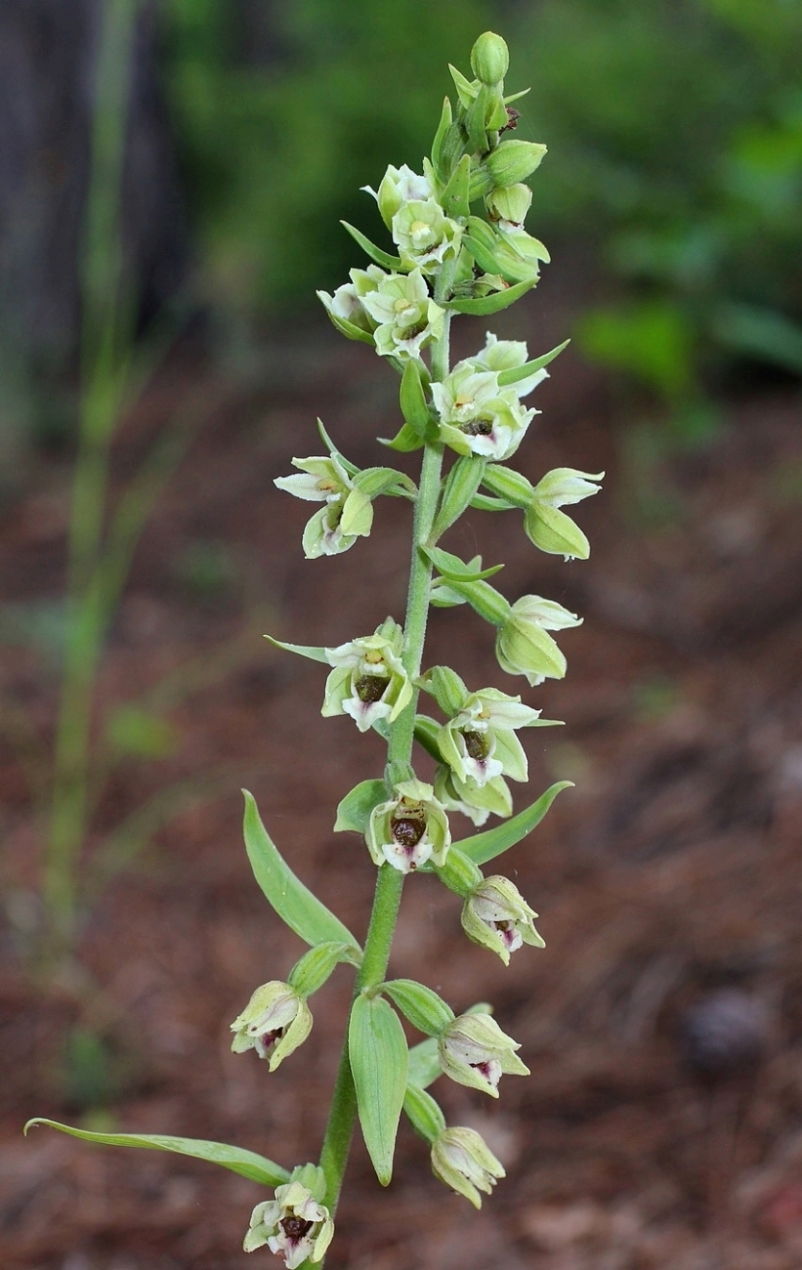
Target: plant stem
<point>389,883</point>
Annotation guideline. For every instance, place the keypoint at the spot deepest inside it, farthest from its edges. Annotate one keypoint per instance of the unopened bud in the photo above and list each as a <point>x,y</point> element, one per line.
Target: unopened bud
<point>513,161</point>
<point>490,58</point>
<point>510,204</point>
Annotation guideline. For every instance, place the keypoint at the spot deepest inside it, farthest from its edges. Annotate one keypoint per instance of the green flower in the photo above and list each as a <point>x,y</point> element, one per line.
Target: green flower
<point>522,645</point>
<point>479,742</point>
<point>275,1022</point>
<point>424,235</point>
<point>462,1159</point>
<point>410,829</point>
<point>399,186</point>
<point>477,416</point>
<point>345,307</point>
<point>293,1225</point>
<point>475,1052</point>
<point>406,317</point>
<point>477,802</point>
<point>368,681</point>
<point>348,513</point>
<point>497,916</point>
<point>550,529</point>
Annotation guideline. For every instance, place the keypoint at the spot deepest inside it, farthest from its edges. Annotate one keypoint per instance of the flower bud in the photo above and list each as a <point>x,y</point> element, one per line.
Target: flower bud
<point>475,1052</point>
<point>490,58</point>
<point>399,186</point>
<point>510,204</point>
<point>513,161</point>
<point>497,916</point>
<point>550,529</point>
<point>409,829</point>
<point>275,1022</point>
<point>522,645</point>
<point>294,1226</point>
<point>462,1159</point>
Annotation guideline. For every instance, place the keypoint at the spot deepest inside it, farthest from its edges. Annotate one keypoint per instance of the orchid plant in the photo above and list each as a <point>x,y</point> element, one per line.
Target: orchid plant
<point>449,261</point>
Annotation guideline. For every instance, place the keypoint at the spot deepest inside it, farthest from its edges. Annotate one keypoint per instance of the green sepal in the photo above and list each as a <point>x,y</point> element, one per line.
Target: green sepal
<point>424,1009</point>
<point>423,1113</point>
<point>459,873</point>
<point>460,488</point>
<point>311,651</point>
<point>313,1178</point>
<point>405,440</point>
<point>247,1163</point>
<point>379,1058</point>
<point>412,400</point>
<point>483,847</point>
<point>516,373</point>
<point>456,570</point>
<point>486,503</point>
<point>426,733</point>
<point>350,468</point>
<point>484,305</point>
<point>448,689</point>
<point>454,199</point>
<point>376,254</point>
<point>312,970</point>
<point>374,481</point>
<point>513,487</point>
<point>349,329</point>
<point>295,904</point>
<point>353,813</point>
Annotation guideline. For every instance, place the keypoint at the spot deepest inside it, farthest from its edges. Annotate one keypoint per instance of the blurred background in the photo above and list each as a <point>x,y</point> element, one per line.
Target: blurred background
<point>172,177</point>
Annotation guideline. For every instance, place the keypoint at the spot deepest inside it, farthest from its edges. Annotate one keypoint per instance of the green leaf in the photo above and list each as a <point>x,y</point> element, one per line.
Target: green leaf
<point>374,481</point>
<point>438,156</point>
<point>454,199</point>
<point>405,440</point>
<point>295,904</point>
<point>424,1063</point>
<point>507,377</point>
<point>425,1010</point>
<point>303,650</point>
<point>246,1163</point>
<point>376,254</point>
<point>483,847</point>
<point>486,503</point>
<point>486,304</point>
<point>379,1063</point>
<point>413,400</point>
<point>423,1112</point>
<point>460,487</point>
<point>353,813</point>
<point>312,970</point>
<point>456,570</point>
<point>350,468</point>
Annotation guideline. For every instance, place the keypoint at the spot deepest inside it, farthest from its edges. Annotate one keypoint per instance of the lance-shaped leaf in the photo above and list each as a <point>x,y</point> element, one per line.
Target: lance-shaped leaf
<point>460,488</point>
<point>482,847</point>
<point>247,1163</point>
<point>405,440</point>
<point>295,904</point>
<point>413,400</point>
<point>456,570</point>
<point>512,376</point>
<point>379,1061</point>
<point>376,254</point>
<point>350,468</point>
<point>353,813</point>
<point>482,306</point>
<point>426,1011</point>
<point>446,145</point>
<point>454,199</point>
<point>423,1113</point>
<point>311,651</point>
<point>487,503</point>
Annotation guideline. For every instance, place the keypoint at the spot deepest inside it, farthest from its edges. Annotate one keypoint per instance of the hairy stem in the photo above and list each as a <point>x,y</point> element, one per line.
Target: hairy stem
<point>389,883</point>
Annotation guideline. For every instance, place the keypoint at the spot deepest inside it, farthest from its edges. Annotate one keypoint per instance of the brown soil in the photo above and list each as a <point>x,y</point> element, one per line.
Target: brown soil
<point>662,1125</point>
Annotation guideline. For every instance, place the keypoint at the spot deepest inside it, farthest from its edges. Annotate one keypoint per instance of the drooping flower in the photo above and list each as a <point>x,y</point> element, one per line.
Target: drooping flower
<point>399,186</point>
<point>345,307</point>
<point>410,829</point>
<point>462,1159</point>
<point>550,529</point>
<point>475,1052</point>
<point>497,916</point>
<point>293,1225</point>
<point>477,802</point>
<point>275,1022</point>
<point>522,645</point>
<point>479,742</point>
<point>348,513</point>
<point>424,235</point>
<point>407,317</point>
<point>368,681</point>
